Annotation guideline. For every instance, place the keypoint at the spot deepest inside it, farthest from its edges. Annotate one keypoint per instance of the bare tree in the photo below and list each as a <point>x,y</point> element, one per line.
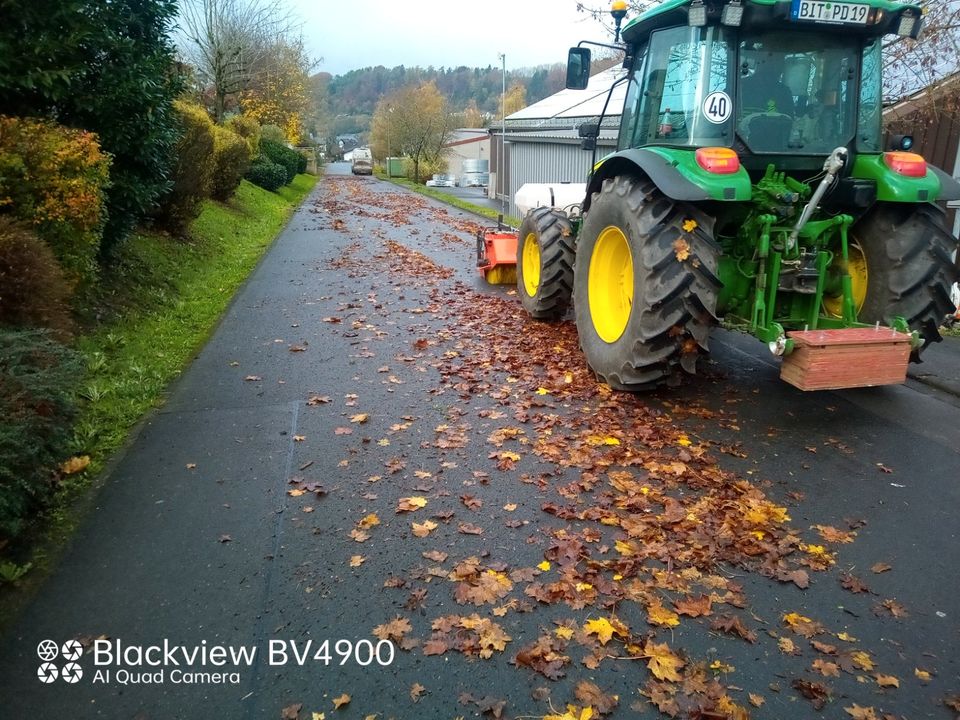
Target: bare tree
<point>228,41</point>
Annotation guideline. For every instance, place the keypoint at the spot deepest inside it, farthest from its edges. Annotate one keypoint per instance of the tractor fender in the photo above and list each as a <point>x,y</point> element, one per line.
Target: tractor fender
<point>675,173</point>
<point>949,187</point>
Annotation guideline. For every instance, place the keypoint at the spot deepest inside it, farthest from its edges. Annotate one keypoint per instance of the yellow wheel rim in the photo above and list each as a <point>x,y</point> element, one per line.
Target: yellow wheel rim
<point>531,264</point>
<point>857,267</point>
<point>610,284</point>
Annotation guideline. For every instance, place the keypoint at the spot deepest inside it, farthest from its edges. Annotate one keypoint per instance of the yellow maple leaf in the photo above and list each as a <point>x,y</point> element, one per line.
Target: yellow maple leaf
<point>662,662</point>
<point>564,632</point>
<point>657,614</point>
<point>507,455</point>
<point>357,560</point>
<point>689,225</point>
<point>681,248</point>
<point>604,629</point>
<point>360,418</point>
<point>922,675</point>
<point>545,565</point>
<point>572,713</point>
<point>368,521</point>
<point>684,441</point>
<point>542,391</point>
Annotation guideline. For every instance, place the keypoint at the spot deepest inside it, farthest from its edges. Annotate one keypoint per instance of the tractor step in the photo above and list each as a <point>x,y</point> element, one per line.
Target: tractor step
<point>846,358</point>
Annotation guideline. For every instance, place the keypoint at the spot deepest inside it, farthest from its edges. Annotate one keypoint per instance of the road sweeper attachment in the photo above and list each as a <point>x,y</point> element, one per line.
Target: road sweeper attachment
<point>497,254</point>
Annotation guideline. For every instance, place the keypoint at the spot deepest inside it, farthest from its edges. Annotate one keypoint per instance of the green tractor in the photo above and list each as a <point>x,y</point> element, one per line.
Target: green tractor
<point>750,181</point>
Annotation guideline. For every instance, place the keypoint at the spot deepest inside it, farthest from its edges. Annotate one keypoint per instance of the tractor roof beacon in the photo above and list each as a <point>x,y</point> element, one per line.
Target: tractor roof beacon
<point>750,181</point>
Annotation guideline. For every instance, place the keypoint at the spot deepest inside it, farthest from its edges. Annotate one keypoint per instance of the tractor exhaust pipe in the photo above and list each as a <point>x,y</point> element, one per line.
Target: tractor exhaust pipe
<point>831,166</point>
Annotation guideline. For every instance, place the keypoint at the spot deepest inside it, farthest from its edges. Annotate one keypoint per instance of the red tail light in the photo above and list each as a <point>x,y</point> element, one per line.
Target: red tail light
<point>718,160</point>
<point>905,163</point>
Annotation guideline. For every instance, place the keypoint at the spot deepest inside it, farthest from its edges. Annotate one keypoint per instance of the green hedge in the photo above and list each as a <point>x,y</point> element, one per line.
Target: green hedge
<point>266,174</point>
<point>231,155</point>
<point>283,156</point>
<point>37,377</point>
<point>194,169</point>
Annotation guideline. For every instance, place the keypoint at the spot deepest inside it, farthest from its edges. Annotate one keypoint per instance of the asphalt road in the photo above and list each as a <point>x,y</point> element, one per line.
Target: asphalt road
<point>365,380</point>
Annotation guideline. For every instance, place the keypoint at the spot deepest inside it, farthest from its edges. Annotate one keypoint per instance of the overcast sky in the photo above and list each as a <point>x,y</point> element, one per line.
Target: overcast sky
<point>364,33</point>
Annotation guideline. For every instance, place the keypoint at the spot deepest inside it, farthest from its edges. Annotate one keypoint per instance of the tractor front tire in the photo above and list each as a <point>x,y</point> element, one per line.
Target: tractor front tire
<point>646,285</point>
<point>909,270</point>
<point>545,253</point>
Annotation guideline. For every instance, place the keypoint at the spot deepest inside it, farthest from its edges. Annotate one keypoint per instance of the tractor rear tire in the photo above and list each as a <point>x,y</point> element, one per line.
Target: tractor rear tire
<point>646,285</point>
<point>545,253</point>
<point>907,249</point>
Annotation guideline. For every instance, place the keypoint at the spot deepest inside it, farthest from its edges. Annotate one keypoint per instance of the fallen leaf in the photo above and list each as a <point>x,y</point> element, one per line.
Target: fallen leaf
<point>291,712</point>
<point>360,418</point>
<point>416,690</point>
<point>410,504</point>
<point>861,713</point>
<point>79,463</point>
<point>393,630</point>
<point>357,560</point>
<point>470,529</point>
<point>423,529</point>
<point>658,615</point>
<point>662,661</point>
<point>887,680</point>
<point>339,702</point>
<point>880,567</point>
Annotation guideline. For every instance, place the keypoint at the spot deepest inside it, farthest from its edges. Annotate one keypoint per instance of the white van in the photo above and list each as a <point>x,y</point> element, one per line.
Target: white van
<point>362,162</point>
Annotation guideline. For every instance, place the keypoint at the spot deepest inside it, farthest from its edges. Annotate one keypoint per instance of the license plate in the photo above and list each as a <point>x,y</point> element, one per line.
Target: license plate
<point>841,13</point>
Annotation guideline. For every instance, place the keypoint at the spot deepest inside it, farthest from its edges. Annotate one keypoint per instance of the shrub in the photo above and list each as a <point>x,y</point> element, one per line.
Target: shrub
<point>108,67</point>
<point>301,161</point>
<point>231,155</point>
<point>428,168</point>
<point>273,133</point>
<point>55,179</point>
<point>194,168</point>
<point>267,174</point>
<point>283,156</point>
<point>249,129</point>
<point>37,377</point>
<point>33,290</point>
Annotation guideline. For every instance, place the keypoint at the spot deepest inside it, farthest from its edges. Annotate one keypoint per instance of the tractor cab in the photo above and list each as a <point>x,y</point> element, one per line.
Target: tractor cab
<point>763,78</point>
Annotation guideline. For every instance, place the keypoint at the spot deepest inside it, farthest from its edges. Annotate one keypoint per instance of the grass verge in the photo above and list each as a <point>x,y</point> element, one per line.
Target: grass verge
<point>154,309</point>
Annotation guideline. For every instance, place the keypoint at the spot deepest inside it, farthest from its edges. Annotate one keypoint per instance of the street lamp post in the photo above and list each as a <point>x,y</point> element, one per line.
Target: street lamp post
<point>501,180</point>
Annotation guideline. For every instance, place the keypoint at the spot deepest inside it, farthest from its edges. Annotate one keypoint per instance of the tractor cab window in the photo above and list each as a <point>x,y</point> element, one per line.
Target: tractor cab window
<point>679,92</point>
<point>870,114</point>
<point>797,92</point>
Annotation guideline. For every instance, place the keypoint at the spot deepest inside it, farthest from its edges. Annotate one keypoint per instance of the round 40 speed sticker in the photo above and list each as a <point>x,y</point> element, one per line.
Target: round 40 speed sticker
<point>717,107</point>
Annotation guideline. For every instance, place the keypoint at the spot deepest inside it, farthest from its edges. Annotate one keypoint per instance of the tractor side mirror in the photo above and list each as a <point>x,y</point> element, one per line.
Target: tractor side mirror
<point>578,68</point>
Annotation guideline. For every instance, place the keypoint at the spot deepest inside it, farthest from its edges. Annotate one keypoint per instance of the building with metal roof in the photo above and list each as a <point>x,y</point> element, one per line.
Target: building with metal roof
<point>542,143</point>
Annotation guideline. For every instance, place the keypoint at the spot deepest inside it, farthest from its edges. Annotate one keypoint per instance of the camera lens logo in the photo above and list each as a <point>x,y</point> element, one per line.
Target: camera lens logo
<point>71,650</point>
<point>71,673</point>
<point>47,673</point>
<point>48,651</point>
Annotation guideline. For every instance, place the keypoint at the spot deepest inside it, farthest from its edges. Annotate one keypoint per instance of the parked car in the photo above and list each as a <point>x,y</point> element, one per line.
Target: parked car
<point>362,162</point>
